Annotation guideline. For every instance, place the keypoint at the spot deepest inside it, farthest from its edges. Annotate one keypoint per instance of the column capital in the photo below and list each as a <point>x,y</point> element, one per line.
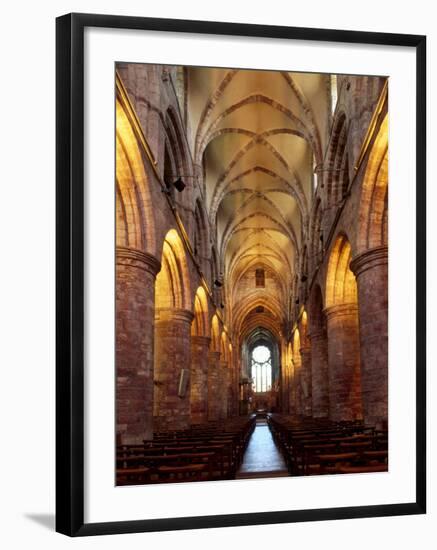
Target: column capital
<point>138,259</point>
<point>339,310</point>
<point>317,334</point>
<point>369,259</point>
<point>201,340</point>
<point>175,315</point>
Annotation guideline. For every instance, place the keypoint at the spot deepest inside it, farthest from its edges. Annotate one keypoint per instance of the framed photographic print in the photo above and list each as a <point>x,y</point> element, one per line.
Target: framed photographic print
<point>240,274</point>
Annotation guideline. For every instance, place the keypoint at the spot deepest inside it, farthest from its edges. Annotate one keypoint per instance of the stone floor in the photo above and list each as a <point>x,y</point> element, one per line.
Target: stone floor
<point>262,458</point>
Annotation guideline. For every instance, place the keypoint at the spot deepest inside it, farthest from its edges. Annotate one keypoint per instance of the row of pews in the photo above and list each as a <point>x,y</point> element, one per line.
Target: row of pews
<point>205,452</point>
<point>320,446</point>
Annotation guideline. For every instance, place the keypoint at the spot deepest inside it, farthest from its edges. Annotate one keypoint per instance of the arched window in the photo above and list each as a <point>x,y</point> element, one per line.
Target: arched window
<point>260,278</point>
<point>261,369</point>
<point>315,175</point>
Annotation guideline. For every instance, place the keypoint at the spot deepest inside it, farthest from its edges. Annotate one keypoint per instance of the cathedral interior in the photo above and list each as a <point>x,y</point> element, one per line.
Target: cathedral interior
<point>251,273</point>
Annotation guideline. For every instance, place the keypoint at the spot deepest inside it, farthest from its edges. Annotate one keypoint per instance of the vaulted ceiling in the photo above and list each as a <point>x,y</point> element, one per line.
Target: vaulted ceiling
<point>258,135</point>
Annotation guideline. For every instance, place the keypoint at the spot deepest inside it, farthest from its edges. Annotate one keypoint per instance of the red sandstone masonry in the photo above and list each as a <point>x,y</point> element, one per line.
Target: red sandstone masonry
<point>135,286</point>
<point>213,386</point>
<point>344,362</point>
<point>136,280</point>
<point>223,389</point>
<point>305,354</point>
<point>319,367</point>
<point>371,270</point>
<point>172,353</point>
<point>199,379</point>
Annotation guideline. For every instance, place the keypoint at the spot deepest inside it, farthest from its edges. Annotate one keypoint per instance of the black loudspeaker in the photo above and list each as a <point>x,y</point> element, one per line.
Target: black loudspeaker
<point>184,379</point>
<point>179,184</point>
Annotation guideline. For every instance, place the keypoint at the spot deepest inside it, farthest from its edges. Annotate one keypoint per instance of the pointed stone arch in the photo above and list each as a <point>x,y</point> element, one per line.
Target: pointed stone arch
<point>370,266</point>
<point>200,344</point>
<point>223,346</point>
<point>135,222</point>
<point>201,238</point>
<point>173,319</point>
<point>341,286</point>
<point>345,394</point>
<point>372,216</point>
<point>200,324</point>
<point>215,334</point>
<point>173,281</point>
<point>337,165</point>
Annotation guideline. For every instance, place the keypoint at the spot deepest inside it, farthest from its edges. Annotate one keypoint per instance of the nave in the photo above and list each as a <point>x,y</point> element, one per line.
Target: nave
<point>251,273</point>
<point>272,446</point>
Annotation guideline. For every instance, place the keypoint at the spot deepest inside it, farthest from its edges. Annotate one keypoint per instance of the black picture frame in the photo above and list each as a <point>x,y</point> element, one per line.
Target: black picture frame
<point>70,273</point>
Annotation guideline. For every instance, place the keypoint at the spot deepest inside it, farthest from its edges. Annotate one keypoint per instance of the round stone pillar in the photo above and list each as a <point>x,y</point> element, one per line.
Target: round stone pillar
<point>233,392</point>
<point>135,303</point>
<point>319,374</point>
<point>305,380</point>
<point>199,379</point>
<point>292,393</point>
<point>223,389</point>
<point>172,369</point>
<point>296,406</point>
<point>344,362</point>
<point>213,386</point>
<point>233,395</point>
<point>285,389</point>
<point>371,272</point>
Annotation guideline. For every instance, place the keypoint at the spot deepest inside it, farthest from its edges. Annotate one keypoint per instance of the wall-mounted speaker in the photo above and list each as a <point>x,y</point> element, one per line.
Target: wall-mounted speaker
<point>184,380</point>
<point>179,184</point>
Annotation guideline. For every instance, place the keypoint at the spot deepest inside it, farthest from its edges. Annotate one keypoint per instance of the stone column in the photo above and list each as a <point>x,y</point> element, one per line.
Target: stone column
<point>232,393</point>
<point>344,362</point>
<point>199,379</point>
<point>213,386</point>
<point>172,354</point>
<point>319,373</point>
<point>135,303</point>
<point>291,389</point>
<point>305,380</point>
<point>285,389</point>
<point>231,389</point>
<point>296,406</point>
<point>223,389</point>
<point>371,271</point>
